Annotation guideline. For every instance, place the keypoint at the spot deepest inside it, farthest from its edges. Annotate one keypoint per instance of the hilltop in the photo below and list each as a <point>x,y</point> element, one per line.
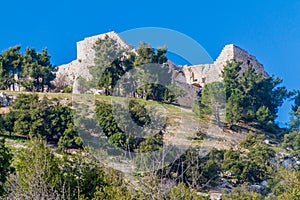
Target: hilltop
<point>164,128</point>
<point>196,75</point>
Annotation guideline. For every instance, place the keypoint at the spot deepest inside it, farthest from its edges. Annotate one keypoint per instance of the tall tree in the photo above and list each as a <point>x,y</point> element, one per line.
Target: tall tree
<point>252,96</point>
<point>295,113</point>
<point>33,71</point>
<point>213,100</point>
<point>292,138</point>
<point>153,77</point>
<point>230,76</point>
<point>5,161</point>
<point>111,75</point>
<point>108,54</point>
<point>234,108</point>
<point>38,71</point>
<point>11,63</point>
<point>148,65</point>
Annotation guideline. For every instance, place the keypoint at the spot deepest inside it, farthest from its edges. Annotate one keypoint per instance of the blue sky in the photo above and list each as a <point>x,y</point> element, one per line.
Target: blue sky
<point>270,30</point>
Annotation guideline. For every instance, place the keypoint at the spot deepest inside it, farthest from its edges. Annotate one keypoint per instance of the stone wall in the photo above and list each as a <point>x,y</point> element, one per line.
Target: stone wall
<point>85,58</point>
<point>190,78</point>
<point>85,51</point>
<point>199,75</point>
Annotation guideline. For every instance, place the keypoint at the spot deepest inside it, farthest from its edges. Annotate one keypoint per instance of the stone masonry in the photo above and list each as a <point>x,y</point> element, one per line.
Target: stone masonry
<point>199,75</point>
<point>192,78</point>
<point>85,58</point>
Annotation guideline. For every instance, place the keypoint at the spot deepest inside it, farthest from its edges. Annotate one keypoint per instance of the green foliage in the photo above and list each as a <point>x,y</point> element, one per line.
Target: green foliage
<point>230,76</point>
<point>196,107</point>
<point>108,57</point>
<point>2,124</point>
<point>296,99</point>
<point>112,62</point>
<point>11,62</point>
<point>263,115</point>
<point>105,119</point>
<point>295,113</point>
<point>37,172</point>
<point>153,75</point>
<point>295,120</point>
<point>212,101</point>
<point>147,54</point>
<point>251,140</point>
<point>32,117</point>
<point>285,184</point>
<point>130,130</point>
<point>255,165</point>
<point>111,75</point>
<point>291,142</point>
<point>233,163</point>
<point>5,162</point>
<point>291,139</point>
<point>195,171</point>
<point>234,108</point>
<point>181,191</point>
<point>251,96</point>
<point>86,178</point>
<point>42,175</point>
<point>242,194</point>
<point>67,89</point>
<point>248,97</point>
<point>24,110</point>
<point>37,72</point>
<point>33,71</point>
<point>114,187</point>
<point>139,113</point>
<point>260,167</point>
<point>8,123</point>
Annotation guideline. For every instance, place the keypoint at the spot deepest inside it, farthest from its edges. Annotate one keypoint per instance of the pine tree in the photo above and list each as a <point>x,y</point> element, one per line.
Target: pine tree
<point>5,161</point>
<point>230,76</point>
<point>11,62</point>
<point>234,108</point>
<point>108,55</point>
<point>213,100</point>
<point>38,71</point>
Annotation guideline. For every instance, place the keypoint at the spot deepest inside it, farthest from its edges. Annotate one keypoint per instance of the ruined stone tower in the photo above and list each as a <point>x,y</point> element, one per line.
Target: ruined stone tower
<point>85,58</point>
<point>199,75</point>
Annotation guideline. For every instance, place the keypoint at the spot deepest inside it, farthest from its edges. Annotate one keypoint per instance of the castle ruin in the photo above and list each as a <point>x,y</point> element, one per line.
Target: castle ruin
<point>192,78</point>
<point>85,58</point>
<point>199,75</point>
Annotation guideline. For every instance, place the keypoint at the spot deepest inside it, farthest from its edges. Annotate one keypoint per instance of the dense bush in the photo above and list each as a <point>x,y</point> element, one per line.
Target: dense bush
<point>130,130</point>
<point>30,116</point>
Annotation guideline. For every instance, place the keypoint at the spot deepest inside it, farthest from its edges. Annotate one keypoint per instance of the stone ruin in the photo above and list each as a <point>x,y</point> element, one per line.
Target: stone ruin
<point>199,75</point>
<point>5,100</point>
<point>190,78</point>
<point>85,58</point>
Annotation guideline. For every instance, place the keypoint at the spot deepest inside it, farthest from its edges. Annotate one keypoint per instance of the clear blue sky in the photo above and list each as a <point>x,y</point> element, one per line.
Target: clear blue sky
<point>270,30</point>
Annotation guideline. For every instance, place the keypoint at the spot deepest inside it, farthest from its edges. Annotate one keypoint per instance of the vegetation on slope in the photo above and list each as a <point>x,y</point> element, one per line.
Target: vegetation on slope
<point>36,171</point>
